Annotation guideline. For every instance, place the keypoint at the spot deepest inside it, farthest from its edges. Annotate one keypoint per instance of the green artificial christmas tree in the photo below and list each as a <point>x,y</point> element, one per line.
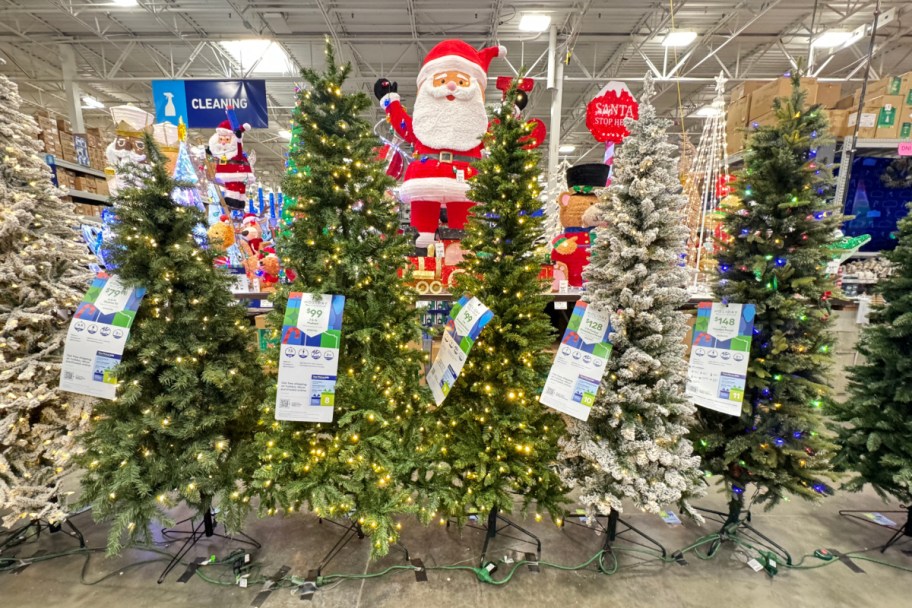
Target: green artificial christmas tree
<point>181,427</point>
<point>43,274</point>
<point>344,240</point>
<point>501,442</point>
<point>775,257</point>
<point>876,435</point>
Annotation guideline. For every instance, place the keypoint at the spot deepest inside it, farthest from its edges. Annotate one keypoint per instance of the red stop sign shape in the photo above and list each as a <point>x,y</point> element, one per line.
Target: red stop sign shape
<point>606,112</point>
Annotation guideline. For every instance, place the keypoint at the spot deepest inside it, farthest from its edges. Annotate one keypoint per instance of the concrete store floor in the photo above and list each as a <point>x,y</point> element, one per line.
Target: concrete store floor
<point>300,542</point>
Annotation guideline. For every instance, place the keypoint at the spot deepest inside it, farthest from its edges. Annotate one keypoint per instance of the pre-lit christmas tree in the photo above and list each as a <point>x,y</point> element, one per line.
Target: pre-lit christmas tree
<point>501,442</point>
<point>43,274</point>
<point>182,425</point>
<point>343,240</point>
<point>633,445</point>
<point>776,258</point>
<point>876,437</point>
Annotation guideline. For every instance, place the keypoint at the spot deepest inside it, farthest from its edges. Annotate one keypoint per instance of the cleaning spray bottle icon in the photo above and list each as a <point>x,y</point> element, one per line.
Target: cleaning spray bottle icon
<point>170,110</point>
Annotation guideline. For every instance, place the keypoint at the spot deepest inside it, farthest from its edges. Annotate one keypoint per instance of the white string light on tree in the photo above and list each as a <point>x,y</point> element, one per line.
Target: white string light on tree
<point>708,170</point>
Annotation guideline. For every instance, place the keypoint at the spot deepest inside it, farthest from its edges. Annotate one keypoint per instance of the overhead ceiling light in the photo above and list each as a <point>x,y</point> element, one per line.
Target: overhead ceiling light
<point>126,2</point>
<point>264,56</point>
<point>534,22</point>
<point>831,40</point>
<point>90,103</point>
<point>679,39</point>
<point>566,149</point>
<point>707,112</point>
<point>285,134</point>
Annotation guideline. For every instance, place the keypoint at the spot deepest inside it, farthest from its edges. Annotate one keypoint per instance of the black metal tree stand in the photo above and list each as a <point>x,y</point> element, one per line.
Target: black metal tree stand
<point>899,533</point>
<point>198,531</point>
<point>352,530</point>
<point>738,519</point>
<point>495,525</point>
<point>35,527</point>
<point>613,533</point>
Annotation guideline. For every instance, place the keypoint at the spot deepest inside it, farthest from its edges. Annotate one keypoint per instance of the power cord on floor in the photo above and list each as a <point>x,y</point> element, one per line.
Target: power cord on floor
<point>238,564</point>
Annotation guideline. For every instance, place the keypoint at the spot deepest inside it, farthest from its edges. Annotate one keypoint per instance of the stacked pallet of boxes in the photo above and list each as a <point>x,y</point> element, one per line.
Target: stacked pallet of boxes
<point>86,150</point>
<point>886,114</point>
<point>751,105</point>
<point>97,145</point>
<point>887,110</point>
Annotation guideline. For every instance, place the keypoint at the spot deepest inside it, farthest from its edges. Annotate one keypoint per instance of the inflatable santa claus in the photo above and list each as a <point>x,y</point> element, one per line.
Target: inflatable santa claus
<point>446,127</point>
<point>233,169</point>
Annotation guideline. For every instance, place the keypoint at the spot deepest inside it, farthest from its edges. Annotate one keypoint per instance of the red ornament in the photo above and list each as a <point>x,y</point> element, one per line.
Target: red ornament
<point>724,185</point>
<point>606,112</point>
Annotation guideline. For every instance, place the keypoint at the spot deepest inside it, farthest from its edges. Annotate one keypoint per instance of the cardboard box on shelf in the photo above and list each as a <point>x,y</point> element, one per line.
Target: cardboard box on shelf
<point>826,94</point>
<point>744,89</point>
<point>846,103</point>
<point>63,125</point>
<point>867,126</point>
<point>763,120</point>
<point>102,187</point>
<point>734,141</point>
<point>737,113</point>
<point>838,120</point>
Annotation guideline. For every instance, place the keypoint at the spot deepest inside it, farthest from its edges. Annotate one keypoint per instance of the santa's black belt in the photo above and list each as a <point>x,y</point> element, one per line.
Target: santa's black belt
<point>448,157</point>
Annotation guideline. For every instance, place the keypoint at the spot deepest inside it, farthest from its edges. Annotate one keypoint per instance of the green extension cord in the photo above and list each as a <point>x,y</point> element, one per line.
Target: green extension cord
<point>234,562</point>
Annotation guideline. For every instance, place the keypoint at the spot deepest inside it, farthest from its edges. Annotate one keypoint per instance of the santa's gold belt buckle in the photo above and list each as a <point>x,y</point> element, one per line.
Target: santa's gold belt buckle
<point>446,157</point>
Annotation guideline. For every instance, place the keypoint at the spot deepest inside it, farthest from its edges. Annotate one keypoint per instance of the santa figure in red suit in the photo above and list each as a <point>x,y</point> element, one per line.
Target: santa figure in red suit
<point>446,127</point>
<point>233,169</point>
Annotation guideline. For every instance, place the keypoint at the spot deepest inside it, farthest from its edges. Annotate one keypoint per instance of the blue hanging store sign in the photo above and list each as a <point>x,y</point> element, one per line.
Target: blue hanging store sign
<point>202,103</point>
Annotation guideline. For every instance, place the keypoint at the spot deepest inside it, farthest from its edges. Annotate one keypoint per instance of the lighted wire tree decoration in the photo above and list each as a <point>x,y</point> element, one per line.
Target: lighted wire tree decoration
<point>707,171</point>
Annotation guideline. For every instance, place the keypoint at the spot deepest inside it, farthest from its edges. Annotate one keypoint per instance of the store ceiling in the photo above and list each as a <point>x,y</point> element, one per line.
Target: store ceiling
<point>119,50</point>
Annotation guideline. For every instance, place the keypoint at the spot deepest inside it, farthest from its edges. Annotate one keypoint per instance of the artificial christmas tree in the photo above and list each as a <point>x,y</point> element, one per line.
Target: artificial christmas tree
<point>876,435</point>
<point>632,446</point>
<point>43,274</point>
<point>182,424</point>
<point>500,442</point>
<point>781,223</point>
<point>343,240</point>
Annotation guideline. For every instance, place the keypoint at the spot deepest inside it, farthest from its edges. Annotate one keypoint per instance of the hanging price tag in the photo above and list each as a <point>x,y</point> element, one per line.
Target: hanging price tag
<point>725,321</point>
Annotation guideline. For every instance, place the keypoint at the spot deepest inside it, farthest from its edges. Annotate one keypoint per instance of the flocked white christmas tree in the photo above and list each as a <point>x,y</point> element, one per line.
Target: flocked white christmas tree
<point>633,446</point>
<point>43,275</point>
<point>551,225</point>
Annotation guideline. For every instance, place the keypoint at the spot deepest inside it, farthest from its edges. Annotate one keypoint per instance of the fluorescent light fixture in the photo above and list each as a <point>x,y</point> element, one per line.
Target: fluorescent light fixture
<point>831,40</point>
<point>566,149</point>
<point>285,134</point>
<point>90,103</point>
<point>679,39</point>
<point>263,56</point>
<point>126,2</point>
<point>707,112</point>
<point>534,22</point>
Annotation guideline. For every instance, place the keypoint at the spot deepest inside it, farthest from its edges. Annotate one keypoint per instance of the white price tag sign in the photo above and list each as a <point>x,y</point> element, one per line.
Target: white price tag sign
<point>592,328</point>
<point>725,320</point>
<point>314,316</point>
<point>113,297</point>
<point>468,315</point>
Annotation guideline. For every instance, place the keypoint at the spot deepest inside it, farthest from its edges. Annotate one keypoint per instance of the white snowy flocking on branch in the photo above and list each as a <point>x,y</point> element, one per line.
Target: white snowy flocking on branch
<point>633,445</point>
<point>43,275</point>
<point>552,224</point>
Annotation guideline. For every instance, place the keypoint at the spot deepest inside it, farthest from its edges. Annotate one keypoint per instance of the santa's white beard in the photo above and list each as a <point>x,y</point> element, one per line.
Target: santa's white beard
<point>450,125</point>
<point>221,150</point>
<point>117,158</point>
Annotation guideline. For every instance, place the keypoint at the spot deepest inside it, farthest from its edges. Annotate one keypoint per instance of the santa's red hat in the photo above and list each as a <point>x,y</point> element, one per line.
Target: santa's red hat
<point>224,127</point>
<point>458,55</point>
<point>249,218</point>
